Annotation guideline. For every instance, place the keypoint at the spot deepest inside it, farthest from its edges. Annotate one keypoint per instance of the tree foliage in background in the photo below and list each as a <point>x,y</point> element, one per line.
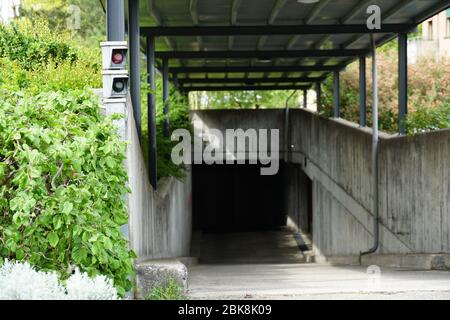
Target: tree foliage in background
<point>35,59</point>
<point>428,93</point>
<point>57,12</point>
<point>244,99</point>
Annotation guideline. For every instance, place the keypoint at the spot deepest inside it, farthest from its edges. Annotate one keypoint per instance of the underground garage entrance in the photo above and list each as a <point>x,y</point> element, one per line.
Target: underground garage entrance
<point>240,216</point>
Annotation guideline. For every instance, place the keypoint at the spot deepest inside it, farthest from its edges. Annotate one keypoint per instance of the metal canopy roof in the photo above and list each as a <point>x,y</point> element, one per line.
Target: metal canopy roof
<point>269,42</point>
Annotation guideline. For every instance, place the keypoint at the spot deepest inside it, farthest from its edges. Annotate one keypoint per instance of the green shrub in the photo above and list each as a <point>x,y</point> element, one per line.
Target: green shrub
<point>33,45</point>
<point>62,186</point>
<point>170,291</point>
<point>428,119</point>
<point>33,60</point>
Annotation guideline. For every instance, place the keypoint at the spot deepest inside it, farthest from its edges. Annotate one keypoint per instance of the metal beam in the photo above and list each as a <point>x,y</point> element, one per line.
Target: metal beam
<point>355,10</point>
<point>433,10</point>
<point>166,98</point>
<point>403,81</point>
<point>259,54</point>
<point>311,16</point>
<point>193,11</point>
<point>279,4</point>
<point>316,10</point>
<point>255,69</point>
<point>362,92</point>
<point>115,20</point>
<point>250,80</point>
<point>151,112</point>
<point>195,19</point>
<point>337,95</point>
<point>244,88</point>
<point>305,99</point>
<point>234,15</point>
<point>135,62</point>
<point>272,30</point>
<point>154,12</point>
<point>384,17</point>
<point>319,96</point>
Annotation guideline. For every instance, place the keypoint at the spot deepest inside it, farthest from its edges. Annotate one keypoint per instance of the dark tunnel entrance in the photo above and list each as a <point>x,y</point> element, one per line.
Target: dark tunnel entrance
<point>240,216</point>
<point>236,198</point>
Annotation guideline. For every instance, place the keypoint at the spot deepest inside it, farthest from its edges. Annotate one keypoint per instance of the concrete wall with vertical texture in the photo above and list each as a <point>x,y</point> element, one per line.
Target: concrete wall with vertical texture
<point>159,221</point>
<point>414,186</point>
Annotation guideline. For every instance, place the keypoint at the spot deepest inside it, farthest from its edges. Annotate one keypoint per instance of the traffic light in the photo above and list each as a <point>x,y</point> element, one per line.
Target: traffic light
<point>115,75</point>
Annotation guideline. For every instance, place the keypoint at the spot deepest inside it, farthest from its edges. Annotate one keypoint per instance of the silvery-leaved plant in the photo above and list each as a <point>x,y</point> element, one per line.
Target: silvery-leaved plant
<point>20,281</point>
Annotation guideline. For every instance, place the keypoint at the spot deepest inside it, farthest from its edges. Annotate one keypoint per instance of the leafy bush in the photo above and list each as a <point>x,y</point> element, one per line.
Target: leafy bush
<point>33,45</point>
<point>20,281</point>
<point>428,119</point>
<point>428,92</point>
<point>33,59</point>
<point>170,291</point>
<point>62,186</point>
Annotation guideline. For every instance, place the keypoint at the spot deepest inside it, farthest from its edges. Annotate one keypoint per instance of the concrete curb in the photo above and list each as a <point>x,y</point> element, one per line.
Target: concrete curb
<point>413,261</point>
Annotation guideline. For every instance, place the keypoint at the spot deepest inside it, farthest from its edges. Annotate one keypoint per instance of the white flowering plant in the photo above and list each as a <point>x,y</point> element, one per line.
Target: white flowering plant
<point>20,281</point>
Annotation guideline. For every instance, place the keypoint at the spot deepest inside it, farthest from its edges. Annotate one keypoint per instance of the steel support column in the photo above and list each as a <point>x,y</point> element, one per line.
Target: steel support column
<point>151,111</point>
<point>375,157</point>
<point>337,95</point>
<point>362,92</point>
<point>305,99</point>
<point>166,99</point>
<point>319,96</point>
<point>115,20</point>
<point>135,62</point>
<point>402,81</point>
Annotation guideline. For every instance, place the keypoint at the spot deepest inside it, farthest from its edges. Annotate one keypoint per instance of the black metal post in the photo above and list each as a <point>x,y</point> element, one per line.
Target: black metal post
<point>115,20</point>
<point>305,99</point>
<point>402,81</point>
<point>166,99</point>
<point>135,63</point>
<point>151,111</point>
<point>319,96</point>
<point>362,92</point>
<point>337,95</point>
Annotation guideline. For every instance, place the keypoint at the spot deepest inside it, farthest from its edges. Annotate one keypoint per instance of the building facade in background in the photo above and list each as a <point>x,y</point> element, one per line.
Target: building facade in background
<point>434,42</point>
<point>9,10</point>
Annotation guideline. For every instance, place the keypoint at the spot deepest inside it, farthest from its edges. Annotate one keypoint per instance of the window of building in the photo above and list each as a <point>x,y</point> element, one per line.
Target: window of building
<point>448,27</point>
<point>448,23</point>
<point>430,30</point>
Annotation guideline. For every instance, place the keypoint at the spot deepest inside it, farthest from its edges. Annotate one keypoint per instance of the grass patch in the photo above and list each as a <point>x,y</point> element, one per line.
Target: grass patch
<point>170,291</point>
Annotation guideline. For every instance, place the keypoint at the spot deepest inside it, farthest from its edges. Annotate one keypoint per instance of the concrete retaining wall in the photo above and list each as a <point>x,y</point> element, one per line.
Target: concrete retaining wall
<point>414,187</point>
<point>159,221</point>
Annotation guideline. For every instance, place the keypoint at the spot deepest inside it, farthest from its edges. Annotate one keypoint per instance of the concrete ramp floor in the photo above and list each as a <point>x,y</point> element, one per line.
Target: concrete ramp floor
<point>269,265</point>
<point>276,247</point>
<point>313,281</point>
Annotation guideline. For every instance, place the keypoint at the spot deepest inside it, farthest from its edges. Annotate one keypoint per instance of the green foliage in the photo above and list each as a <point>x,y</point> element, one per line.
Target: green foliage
<point>33,45</point>
<point>428,119</point>
<point>37,61</point>
<point>170,291</point>
<point>428,93</point>
<point>57,12</point>
<point>62,186</point>
<point>244,99</point>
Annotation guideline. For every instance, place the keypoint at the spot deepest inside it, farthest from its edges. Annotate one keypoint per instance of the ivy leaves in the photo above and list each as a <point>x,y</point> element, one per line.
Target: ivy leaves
<point>62,186</point>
